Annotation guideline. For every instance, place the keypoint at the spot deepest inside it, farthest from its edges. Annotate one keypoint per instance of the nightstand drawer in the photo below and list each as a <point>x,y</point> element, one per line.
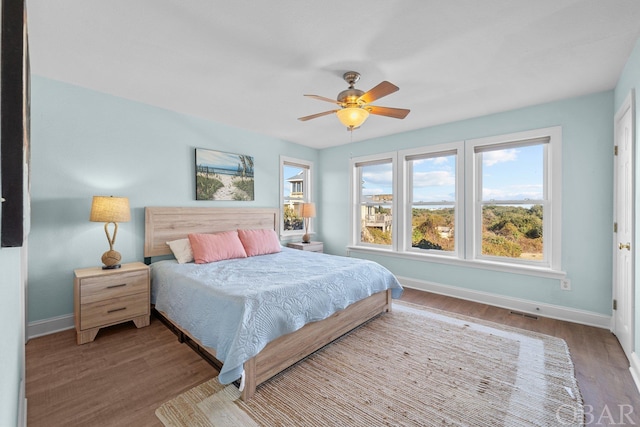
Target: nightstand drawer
<point>114,310</point>
<point>106,287</point>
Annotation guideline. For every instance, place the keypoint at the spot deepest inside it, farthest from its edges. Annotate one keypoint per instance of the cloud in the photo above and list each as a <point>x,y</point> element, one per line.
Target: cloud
<point>490,158</point>
<point>384,178</point>
<point>433,160</point>
<point>439,160</point>
<point>433,179</point>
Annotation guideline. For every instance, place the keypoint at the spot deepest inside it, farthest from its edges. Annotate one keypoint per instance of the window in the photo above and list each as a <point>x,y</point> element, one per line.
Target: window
<point>373,185</point>
<point>295,189</point>
<point>515,183</point>
<point>512,200</point>
<point>432,183</point>
<point>488,202</point>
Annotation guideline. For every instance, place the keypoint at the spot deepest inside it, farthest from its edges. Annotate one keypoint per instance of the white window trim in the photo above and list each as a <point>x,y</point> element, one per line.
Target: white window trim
<point>552,223</point>
<point>406,195</point>
<point>284,160</point>
<point>355,178</point>
<point>466,171</point>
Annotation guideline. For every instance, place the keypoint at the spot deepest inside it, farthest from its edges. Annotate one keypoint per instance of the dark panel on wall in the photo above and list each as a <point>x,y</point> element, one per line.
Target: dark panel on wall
<point>14,121</point>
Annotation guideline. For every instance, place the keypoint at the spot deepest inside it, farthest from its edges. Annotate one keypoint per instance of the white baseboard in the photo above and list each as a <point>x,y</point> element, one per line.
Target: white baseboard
<point>635,368</point>
<point>50,326</point>
<point>521,305</point>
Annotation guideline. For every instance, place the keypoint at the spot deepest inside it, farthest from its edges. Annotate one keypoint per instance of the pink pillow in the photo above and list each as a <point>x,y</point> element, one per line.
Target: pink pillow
<point>259,242</point>
<point>216,247</point>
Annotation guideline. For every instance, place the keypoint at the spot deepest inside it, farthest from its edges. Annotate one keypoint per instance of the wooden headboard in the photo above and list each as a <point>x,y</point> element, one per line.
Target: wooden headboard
<point>164,224</point>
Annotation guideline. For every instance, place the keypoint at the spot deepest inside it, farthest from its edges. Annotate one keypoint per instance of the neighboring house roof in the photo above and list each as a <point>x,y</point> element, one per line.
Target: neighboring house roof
<point>297,177</point>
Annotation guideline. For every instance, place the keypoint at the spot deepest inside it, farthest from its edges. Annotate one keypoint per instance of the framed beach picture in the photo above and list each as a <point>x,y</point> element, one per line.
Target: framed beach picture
<point>223,176</point>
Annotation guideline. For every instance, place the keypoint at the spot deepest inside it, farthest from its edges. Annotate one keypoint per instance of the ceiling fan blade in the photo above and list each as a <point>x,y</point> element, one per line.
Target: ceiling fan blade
<point>322,98</point>
<point>396,113</point>
<point>383,89</point>
<point>313,116</point>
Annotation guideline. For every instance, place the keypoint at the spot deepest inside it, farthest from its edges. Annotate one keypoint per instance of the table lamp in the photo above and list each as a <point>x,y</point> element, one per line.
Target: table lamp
<point>110,210</point>
<point>308,211</point>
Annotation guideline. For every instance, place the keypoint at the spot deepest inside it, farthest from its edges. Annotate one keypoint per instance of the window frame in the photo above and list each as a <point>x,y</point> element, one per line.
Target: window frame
<point>356,198</point>
<point>406,172</point>
<point>468,227</point>
<point>308,195</point>
<point>552,193</point>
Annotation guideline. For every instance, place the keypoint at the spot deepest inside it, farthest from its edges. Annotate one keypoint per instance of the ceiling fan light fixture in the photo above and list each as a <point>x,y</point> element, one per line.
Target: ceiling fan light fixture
<point>352,117</point>
<point>355,105</point>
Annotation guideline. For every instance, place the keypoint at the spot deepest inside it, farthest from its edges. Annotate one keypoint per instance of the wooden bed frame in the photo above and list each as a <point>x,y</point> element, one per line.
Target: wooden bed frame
<point>163,224</point>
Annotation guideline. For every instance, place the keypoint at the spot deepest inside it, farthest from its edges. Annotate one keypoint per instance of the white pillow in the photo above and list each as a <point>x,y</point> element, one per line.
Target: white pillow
<point>181,250</point>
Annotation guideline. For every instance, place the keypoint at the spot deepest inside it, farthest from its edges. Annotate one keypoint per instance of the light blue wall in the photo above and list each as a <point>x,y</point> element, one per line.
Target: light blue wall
<point>12,348</point>
<point>586,209</point>
<point>86,143</point>
<point>630,80</point>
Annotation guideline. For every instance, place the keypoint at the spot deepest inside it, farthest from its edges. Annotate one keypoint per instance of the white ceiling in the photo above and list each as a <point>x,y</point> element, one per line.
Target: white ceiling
<point>247,63</point>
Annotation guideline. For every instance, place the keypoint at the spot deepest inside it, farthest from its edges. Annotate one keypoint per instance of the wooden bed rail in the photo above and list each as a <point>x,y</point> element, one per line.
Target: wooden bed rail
<point>289,349</point>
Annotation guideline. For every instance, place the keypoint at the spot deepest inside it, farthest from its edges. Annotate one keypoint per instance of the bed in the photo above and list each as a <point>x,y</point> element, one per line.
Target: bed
<point>257,316</point>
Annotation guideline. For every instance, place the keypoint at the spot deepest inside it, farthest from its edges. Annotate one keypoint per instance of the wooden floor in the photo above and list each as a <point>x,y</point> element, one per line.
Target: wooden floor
<point>126,373</point>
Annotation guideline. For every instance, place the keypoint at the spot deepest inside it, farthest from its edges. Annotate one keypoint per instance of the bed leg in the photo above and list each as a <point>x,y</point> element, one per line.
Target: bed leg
<point>249,379</point>
<point>388,308</point>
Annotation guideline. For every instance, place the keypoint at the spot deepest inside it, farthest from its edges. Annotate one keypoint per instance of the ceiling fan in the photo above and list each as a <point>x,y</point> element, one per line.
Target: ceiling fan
<point>355,104</point>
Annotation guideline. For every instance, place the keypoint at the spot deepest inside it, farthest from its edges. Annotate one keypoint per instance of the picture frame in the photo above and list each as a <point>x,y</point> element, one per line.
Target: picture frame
<point>223,176</point>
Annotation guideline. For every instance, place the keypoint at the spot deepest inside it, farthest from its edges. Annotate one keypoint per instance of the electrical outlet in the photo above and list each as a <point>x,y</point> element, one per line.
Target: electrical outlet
<point>565,284</point>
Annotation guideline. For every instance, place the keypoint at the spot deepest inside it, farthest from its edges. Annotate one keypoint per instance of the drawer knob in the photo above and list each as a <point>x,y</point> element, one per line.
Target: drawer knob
<point>117,286</point>
<point>116,309</point>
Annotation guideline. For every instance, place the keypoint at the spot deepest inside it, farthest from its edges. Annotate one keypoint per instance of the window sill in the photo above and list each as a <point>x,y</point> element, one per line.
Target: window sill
<point>293,235</point>
<point>481,264</point>
<point>293,232</point>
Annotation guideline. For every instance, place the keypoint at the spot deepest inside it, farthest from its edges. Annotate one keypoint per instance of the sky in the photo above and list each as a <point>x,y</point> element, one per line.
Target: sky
<point>513,174</point>
<point>217,159</point>
<point>508,174</point>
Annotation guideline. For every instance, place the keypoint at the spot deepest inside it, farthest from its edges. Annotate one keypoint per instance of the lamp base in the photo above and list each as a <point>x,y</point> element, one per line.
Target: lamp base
<point>111,259</point>
<point>306,238</point>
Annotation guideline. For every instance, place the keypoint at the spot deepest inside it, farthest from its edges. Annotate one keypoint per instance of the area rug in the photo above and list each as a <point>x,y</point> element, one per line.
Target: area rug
<point>410,367</point>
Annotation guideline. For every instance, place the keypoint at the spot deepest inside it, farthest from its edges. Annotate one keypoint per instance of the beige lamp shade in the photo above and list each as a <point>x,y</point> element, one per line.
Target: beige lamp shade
<point>352,117</point>
<point>308,210</point>
<point>110,209</point>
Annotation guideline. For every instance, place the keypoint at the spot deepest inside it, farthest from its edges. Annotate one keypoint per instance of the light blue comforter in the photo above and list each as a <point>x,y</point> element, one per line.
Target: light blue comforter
<point>237,306</point>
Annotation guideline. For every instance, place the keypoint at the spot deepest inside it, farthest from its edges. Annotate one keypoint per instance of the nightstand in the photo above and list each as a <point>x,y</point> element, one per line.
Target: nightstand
<point>107,297</point>
<point>311,246</point>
